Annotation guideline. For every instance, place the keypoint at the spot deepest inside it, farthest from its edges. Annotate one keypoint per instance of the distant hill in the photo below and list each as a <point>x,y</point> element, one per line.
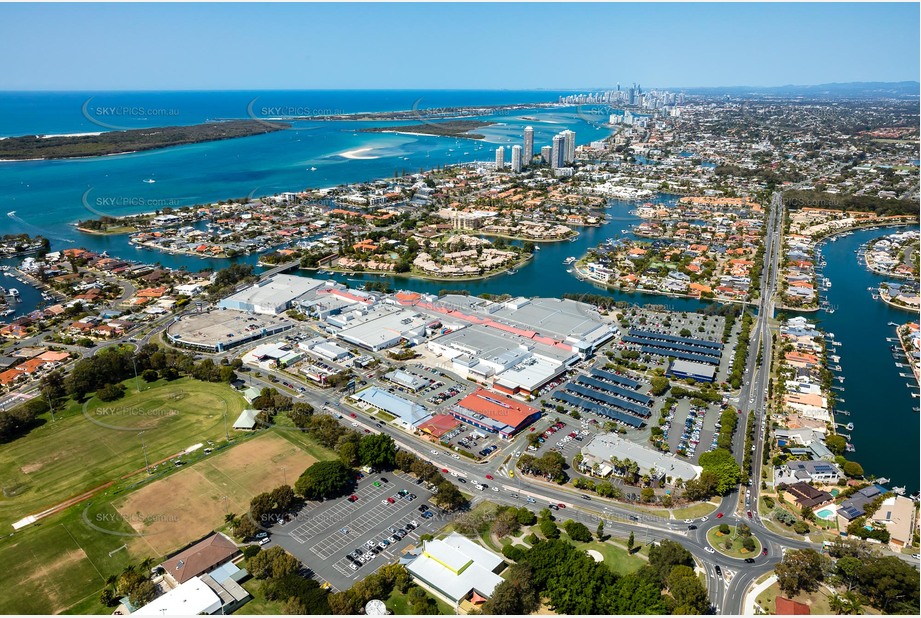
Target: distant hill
<point>899,90</point>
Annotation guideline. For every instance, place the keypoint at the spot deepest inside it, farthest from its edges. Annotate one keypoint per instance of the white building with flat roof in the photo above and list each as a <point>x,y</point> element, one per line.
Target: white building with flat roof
<point>271,296</point>
<point>191,598</point>
<point>456,568</point>
<point>380,327</point>
<point>603,447</point>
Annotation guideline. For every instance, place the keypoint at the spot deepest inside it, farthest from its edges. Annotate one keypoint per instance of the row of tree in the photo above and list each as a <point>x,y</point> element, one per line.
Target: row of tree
<point>887,584</point>
<point>573,583</point>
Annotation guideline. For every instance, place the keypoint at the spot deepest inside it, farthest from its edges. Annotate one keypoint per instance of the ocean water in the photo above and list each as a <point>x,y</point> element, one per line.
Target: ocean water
<point>49,196</point>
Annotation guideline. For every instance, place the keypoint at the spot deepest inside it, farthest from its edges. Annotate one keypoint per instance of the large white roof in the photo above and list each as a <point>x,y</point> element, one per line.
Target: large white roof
<point>455,566</point>
<point>189,599</point>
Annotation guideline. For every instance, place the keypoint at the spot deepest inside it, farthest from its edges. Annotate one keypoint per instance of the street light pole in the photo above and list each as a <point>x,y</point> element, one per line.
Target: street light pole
<point>144,447</point>
<point>50,405</point>
<point>137,385</point>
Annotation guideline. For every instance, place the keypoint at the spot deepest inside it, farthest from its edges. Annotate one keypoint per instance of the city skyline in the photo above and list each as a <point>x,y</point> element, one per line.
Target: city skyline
<point>189,46</point>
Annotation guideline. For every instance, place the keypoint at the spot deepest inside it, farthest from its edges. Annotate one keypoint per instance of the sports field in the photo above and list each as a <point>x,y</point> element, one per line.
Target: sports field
<point>169,513</point>
<point>99,442</point>
<point>61,563</point>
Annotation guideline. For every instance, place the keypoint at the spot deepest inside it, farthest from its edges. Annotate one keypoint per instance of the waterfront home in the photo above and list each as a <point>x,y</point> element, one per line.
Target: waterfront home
<point>805,495</point>
<point>808,471</point>
<point>853,507</point>
<point>897,515</point>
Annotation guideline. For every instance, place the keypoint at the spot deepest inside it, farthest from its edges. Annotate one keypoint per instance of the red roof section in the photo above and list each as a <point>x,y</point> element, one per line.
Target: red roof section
<point>789,607</point>
<point>497,407</point>
<point>439,424</point>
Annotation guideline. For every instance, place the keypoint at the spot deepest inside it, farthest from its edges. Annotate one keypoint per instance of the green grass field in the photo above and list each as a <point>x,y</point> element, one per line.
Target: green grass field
<point>59,563</point>
<point>615,557</point>
<point>88,446</point>
<point>694,511</point>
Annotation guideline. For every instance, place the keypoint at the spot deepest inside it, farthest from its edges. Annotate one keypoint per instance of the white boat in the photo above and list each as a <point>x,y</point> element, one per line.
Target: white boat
<point>13,292</point>
<point>149,181</point>
<point>313,169</point>
<point>569,260</point>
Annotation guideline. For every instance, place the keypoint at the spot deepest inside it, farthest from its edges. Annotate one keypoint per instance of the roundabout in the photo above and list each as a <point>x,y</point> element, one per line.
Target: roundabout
<point>736,542</point>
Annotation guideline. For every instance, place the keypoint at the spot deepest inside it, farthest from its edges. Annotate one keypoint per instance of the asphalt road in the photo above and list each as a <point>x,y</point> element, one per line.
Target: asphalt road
<point>727,591</point>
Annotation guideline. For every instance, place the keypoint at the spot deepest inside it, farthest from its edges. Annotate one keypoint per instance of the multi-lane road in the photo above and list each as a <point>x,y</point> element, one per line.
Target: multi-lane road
<point>727,590</point>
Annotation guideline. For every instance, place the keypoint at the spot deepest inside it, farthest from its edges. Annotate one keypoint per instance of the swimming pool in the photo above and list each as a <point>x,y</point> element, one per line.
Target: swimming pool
<point>826,514</point>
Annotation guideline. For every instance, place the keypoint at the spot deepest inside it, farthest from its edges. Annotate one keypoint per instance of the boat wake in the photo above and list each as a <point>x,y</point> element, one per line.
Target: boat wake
<point>36,231</point>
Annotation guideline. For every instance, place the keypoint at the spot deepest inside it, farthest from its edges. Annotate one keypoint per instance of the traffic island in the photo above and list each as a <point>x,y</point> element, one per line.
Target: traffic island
<point>734,541</point>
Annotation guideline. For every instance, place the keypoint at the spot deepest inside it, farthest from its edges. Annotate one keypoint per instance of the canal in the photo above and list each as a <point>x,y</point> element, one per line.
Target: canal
<point>880,401</point>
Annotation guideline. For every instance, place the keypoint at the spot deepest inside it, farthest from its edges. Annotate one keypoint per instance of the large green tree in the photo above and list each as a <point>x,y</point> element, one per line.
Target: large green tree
<point>325,479</point>
<point>377,451</point>
<point>665,556</point>
<point>801,570</point>
<point>515,595</point>
<point>721,463</point>
<point>891,584</point>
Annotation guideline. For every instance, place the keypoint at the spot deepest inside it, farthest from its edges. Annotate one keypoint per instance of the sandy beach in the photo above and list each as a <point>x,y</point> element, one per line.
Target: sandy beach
<point>357,154</point>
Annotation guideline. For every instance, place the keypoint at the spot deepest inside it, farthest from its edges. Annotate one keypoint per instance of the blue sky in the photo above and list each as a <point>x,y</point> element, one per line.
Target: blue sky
<point>468,46</point>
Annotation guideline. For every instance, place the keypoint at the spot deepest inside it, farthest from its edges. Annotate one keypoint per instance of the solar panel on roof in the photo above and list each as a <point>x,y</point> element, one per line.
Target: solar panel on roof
<point>615,390</point>
<point>674,346</point>
<point>609,400</point>
<point>701,343</point>
<point>646,349</point>
<point>613,377</point>
<point>591,406</point>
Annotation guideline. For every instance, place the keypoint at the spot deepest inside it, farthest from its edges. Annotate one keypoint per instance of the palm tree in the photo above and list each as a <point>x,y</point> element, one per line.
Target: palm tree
<point>854,605</point>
